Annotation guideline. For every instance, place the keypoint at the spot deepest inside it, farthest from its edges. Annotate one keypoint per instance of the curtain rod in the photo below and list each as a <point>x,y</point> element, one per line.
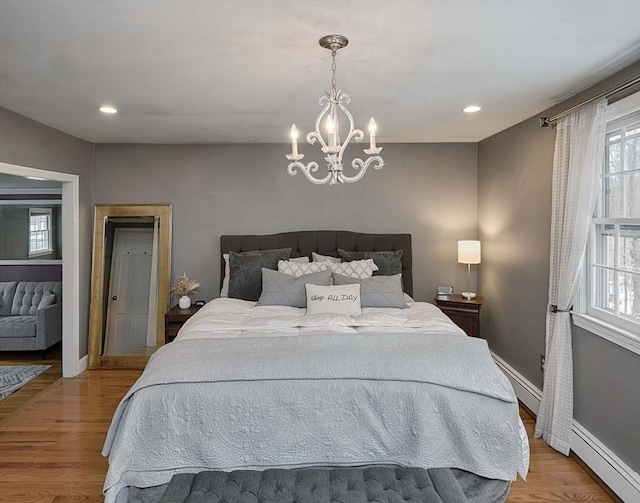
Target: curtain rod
<point>545,121</point>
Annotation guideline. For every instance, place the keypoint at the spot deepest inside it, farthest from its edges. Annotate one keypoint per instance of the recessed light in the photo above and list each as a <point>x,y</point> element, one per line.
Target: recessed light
<point>105,109</point>
<point>472,109</point>
<point>35,178</point>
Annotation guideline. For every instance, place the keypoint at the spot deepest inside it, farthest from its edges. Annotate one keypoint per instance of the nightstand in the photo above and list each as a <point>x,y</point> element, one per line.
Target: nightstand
<point>174,319</point>
<point>464,313</point>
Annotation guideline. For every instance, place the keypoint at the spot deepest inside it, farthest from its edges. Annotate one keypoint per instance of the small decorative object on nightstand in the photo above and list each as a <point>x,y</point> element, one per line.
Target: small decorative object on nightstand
<point>463,312</point>
<point>174,319</point>
<point>184,288</point>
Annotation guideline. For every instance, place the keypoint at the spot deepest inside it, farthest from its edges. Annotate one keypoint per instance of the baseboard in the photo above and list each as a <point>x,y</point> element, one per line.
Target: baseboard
<point>618,476</point>
<point>83,364</point>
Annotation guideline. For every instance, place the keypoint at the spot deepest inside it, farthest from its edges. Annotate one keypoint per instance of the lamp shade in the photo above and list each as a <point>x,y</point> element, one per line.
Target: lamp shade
<point>469,252</point>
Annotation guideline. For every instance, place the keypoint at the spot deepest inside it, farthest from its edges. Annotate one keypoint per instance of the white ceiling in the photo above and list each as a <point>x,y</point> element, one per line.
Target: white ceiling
<point>198,71</point>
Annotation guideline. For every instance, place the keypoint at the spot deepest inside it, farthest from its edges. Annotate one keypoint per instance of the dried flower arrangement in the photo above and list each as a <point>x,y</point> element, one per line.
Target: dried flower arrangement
<point>185,286</point>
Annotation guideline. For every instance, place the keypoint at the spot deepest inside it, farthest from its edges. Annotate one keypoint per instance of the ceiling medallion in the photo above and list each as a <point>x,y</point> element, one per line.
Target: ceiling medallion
<point>333,102</point>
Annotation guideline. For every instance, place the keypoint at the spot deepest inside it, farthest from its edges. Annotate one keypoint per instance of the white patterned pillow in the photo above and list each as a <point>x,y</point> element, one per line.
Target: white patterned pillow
<point>299,269</point>
<point>354,269</point>
<point>343,299</point>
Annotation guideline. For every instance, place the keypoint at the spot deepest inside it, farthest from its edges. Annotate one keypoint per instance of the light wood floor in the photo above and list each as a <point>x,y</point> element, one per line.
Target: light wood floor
<point>17,400</point>
<point>50,448</point>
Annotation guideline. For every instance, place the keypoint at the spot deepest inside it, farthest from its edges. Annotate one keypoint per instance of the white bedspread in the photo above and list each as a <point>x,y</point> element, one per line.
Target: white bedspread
<point>402,387</point>
<point>238,318</point>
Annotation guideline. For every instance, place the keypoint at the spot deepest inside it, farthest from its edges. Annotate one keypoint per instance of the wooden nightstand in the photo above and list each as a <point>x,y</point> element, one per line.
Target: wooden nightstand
<point>174,319</point>
<point>464,313</point>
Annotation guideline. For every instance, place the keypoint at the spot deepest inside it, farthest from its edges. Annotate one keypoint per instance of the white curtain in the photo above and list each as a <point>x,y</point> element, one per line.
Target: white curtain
<point>577,165</point>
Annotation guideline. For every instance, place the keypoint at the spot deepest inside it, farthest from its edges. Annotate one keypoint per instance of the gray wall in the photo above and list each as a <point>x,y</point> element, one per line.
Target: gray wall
<point>514,215</point>
<point>14,229</point>
<point>428,190</point>
<point>28,143</point>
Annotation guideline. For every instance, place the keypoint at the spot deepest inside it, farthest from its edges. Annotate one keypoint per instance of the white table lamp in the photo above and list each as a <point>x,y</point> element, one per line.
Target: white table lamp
<point>468,253</point>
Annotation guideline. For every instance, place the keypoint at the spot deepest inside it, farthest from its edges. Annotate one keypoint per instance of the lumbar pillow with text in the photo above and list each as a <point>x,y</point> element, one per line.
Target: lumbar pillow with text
<point>343,299</point>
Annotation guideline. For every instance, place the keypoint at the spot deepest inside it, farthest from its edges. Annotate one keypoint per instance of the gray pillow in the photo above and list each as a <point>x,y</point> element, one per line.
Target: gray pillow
<point>245,271</point>
<point>325,258</point>
<point>47,299</point>
<point>388,262</point>
<point>280,289</point>
<point>377,291</point>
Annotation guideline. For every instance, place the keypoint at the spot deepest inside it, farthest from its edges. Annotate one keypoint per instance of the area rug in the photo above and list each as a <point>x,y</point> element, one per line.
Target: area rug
<point>13,377</point>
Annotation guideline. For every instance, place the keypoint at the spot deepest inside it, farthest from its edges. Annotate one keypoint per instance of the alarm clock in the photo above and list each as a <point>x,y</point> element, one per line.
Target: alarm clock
<point>445,290</point>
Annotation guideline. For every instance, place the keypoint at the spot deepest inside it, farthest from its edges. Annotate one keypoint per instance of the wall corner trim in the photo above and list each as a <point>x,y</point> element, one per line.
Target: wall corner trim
<point>614,472</point>
<point>83,364</point>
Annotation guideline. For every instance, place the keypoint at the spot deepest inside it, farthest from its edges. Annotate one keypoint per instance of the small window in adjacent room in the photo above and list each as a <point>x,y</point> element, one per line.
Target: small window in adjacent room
<point>612,272</point>
<point>40,231</point>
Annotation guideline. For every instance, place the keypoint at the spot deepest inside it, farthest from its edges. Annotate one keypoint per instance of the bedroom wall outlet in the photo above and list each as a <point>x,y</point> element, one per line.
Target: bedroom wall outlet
<point>542,363</point>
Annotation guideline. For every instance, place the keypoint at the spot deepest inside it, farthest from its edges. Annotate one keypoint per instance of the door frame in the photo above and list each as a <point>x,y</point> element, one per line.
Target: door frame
<point>72,363</point>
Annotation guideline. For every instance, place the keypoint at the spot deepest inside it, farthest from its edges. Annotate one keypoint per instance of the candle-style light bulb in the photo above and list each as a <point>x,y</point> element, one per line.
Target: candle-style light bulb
<point>331,131</point>
<point>331,126</point>
<point>372,126</point>
<point>372,133</point>
<point>294,140</point>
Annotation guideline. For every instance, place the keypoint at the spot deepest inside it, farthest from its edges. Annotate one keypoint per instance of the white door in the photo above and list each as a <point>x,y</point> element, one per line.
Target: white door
<point>129,291</point>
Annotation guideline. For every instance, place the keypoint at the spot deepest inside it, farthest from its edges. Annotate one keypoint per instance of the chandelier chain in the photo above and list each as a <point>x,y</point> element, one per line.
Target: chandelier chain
<point>333,69</point>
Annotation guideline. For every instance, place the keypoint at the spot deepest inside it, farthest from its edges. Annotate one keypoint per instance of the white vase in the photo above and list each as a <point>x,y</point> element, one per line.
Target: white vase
<point>184,302</point>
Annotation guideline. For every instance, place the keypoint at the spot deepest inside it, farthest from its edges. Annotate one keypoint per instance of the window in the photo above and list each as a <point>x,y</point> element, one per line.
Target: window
<point>612,274</point>
<point>40,231</point>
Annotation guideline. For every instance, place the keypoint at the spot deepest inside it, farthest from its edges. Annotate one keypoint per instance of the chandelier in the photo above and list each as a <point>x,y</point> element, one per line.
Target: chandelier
<point>333,102</point>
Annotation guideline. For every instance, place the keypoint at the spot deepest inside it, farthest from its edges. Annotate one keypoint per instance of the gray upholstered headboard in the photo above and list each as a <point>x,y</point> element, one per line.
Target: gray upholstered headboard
<point>302,243</point>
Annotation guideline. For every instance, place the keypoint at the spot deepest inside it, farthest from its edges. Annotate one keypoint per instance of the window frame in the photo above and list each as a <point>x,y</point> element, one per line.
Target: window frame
<point>38,212</point>
<point>619,329</point>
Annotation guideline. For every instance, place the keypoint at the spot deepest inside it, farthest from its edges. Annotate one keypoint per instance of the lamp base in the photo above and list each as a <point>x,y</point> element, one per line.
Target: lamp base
<point>468,295</point>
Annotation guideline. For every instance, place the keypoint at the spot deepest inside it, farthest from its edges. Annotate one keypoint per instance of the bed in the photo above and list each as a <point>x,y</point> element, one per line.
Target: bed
<point>248,386</point>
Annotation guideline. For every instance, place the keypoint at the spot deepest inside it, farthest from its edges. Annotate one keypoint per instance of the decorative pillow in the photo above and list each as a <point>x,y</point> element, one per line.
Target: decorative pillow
<point>296,269</point>
<point>343,299</point>
<point>325,258</point>
<point>388,262</point>
<point>224,292</point>
<point>279,289</point>
<point>355,268</point>
<point>378,291</point>
<point>47,299</point>
<point>245,271</point>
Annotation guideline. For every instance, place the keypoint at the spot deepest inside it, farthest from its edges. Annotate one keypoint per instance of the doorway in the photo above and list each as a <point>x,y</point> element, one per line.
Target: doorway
<point>72,363</point>
<point>126,331</point>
